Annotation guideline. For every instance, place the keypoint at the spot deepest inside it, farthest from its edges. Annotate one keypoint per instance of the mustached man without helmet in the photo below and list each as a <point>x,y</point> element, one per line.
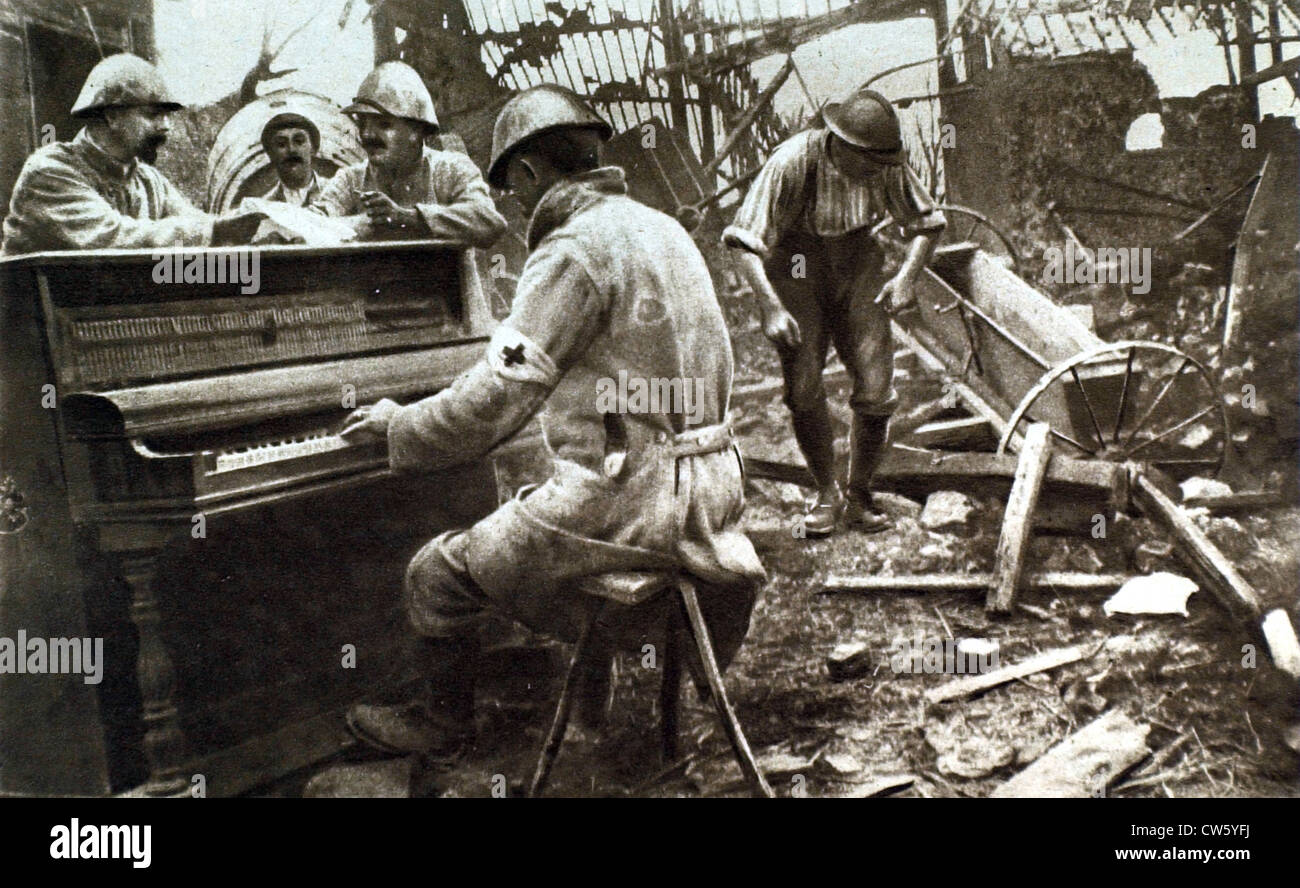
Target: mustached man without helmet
<point>610,286</point>
<point>291,142</point>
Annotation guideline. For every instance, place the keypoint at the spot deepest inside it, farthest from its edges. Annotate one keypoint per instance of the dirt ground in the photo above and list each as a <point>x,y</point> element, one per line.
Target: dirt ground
<point>1216,722</point>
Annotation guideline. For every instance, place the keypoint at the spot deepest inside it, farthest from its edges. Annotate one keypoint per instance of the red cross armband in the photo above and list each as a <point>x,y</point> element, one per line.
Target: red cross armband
<point>514,356</point>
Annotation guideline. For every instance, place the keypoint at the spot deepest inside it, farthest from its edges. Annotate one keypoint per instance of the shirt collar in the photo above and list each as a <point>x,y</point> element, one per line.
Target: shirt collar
<point>100,159</point>
<point>571,195</point>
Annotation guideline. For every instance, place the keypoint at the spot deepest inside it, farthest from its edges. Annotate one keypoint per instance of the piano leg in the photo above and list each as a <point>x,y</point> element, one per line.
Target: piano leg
<point>138,547</point>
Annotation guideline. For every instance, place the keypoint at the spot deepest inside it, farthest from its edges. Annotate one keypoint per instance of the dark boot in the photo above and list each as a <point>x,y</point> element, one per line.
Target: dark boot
<point>870,434</point>
<point>816,436</point>
<point>440,721</point>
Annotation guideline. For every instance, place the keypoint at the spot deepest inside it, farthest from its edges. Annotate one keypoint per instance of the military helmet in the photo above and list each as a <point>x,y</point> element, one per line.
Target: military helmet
<point>122,81</point>
<point>868,121</point>
<point>395,89</point>
<point>532,112</point>
<point>287,119</point>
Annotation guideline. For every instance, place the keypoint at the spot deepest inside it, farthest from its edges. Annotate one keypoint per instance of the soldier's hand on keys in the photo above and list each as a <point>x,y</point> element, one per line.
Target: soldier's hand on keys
<point>897,295</point>
<point>781,327</point>
<point>368,423</point>
<point>236,228</point>
<point>384,212</point>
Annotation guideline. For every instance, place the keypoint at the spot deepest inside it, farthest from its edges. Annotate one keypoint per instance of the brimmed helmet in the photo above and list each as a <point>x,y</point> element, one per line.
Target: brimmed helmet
<point>395,89</point>
<point>539,109</point>
<point>122,81</point>
<point>868,121</point>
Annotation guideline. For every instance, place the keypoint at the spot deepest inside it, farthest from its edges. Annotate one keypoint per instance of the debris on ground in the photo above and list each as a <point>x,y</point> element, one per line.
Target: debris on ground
<point>1158,593</point>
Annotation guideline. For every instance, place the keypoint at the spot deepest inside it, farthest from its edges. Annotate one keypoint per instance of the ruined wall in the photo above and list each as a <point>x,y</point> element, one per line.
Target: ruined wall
<point>1042,134</point>
<point>1041,146</point>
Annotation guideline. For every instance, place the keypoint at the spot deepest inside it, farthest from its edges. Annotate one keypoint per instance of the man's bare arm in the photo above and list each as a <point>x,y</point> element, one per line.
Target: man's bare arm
<point>778,324</point>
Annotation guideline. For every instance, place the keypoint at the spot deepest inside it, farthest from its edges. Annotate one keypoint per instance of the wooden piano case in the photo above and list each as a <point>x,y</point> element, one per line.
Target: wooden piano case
<point>172,485</point>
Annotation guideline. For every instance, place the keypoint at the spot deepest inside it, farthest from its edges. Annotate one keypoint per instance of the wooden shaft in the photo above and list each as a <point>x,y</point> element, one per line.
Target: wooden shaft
<point>1018,525</point>
<point>700,631</point>
<point>560,723</point>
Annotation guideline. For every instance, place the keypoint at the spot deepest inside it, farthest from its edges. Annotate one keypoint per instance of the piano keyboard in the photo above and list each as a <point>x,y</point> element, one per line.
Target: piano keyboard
<point>276,451</point>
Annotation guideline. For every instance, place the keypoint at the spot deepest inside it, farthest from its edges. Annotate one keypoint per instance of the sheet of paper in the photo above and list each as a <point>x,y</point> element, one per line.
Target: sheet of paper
<point>298,224</point>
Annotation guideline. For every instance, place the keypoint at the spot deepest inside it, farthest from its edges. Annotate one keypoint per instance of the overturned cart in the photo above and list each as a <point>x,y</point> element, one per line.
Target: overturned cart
<point>1074,407</point>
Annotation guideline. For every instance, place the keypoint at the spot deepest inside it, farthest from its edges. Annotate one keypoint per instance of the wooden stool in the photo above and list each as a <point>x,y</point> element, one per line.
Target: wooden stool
<point>633,588</point>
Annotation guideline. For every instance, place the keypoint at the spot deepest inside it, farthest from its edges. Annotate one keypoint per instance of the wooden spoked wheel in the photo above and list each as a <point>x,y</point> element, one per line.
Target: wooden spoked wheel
<point>1152,404</point>
<point>967,225</point>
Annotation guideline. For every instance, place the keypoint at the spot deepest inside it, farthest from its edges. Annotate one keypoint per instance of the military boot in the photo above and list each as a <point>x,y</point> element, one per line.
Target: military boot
<point>868,446</point>
<point>440,721</point>
<point>816,437</point>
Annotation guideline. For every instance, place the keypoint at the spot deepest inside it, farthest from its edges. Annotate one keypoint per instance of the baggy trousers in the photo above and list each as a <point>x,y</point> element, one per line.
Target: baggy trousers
<point>829,286</point>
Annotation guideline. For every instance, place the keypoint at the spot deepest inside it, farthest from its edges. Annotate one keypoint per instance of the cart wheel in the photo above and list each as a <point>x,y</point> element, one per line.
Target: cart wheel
<point>965,224</point>
<point>1169,412</point>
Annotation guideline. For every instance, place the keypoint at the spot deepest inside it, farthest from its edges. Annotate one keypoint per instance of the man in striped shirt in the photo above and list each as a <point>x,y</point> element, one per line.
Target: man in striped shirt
<point>803,241</point>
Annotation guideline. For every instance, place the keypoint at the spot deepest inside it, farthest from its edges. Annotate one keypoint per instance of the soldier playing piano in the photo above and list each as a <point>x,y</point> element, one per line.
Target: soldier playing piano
<point>100,191</point>
<point>404,188</point>
<point>611,288</point>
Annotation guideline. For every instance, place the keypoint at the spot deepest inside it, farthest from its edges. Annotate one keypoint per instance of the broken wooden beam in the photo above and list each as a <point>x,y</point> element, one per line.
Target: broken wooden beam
<point>881,786</point>
<point>1018,523</point>
<point>1231,502</point>
<point>741,127</point>
<point>1064,581</point>
<point>1083,764</point>
<point>1219,575</point>
<point>917,474</point>
<point>913,473</point>
<point>969,431</point>
<point>974,684</point>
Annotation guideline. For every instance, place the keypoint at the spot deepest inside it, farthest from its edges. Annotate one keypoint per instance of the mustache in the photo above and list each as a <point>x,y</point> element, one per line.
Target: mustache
<point>374,143</point>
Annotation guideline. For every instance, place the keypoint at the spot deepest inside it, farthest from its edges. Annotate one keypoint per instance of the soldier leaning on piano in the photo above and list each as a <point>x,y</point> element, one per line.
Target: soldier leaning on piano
<point>611,286</point>
<point>100,190</point>
<point>404,188</point>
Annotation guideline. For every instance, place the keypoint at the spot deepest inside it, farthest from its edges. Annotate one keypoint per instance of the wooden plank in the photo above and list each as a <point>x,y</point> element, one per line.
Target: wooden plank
<point>971,431</point>
<point>1231,502</point>
<point>1231,588</point>
<point>1013,543</point>
<point>915,473</point>
<point>1083,764</point>
<point>881,786</point>
<point>973,684</point>
<point>1067,581</point>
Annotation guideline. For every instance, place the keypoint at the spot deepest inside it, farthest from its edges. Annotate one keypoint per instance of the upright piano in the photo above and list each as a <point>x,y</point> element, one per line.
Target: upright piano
<point>170,452</point>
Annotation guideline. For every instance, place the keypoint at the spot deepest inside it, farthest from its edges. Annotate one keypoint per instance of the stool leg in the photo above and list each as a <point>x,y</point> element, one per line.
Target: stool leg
<point>560,722</point>
<point>744,756</point>
<point>670,687</point>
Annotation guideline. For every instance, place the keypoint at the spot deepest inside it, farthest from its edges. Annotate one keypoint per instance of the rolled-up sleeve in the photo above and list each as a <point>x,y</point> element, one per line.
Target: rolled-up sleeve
<point>464,213</point>
<point>773,202</point>
<point>910,204</point>
<point>556,311</point>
